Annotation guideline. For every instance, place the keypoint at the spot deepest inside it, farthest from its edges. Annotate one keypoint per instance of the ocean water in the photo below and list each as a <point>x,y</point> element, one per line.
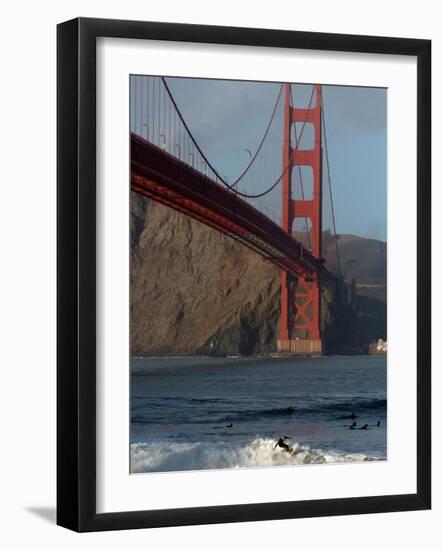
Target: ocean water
<point>197,413</point>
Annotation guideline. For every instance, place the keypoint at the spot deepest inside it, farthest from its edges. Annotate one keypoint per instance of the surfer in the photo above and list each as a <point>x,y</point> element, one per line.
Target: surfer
<point>281,443</point>
<point>353,426</point>
<point>220,427</point>
<point>378,424</point>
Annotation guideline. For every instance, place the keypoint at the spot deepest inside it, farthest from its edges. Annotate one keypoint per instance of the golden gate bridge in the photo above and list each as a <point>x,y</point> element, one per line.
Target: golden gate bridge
<point>260,206</point>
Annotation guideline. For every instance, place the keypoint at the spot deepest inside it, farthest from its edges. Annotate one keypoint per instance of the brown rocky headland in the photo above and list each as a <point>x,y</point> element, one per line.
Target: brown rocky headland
<point>196,291</point>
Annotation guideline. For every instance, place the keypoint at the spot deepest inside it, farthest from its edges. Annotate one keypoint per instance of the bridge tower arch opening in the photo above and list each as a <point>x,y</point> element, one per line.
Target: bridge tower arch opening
<point>300,322</point>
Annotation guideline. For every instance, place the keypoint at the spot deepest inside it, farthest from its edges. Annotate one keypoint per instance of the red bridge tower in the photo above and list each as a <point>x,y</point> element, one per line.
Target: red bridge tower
<point>300,323</point>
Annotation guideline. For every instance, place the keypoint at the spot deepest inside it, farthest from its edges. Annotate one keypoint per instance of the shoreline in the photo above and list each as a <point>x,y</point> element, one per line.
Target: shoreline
<point>281,356</point>
<point>202,361</point>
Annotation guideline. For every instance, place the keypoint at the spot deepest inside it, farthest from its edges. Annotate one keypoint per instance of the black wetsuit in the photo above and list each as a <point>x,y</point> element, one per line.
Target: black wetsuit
<point>283,445</point>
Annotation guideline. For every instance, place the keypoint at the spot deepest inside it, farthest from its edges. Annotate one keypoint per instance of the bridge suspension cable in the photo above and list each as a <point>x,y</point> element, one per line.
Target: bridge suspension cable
<point>209,164</point>
<point>292,154</point>
<point>222,179</point>
<point>156,117</point>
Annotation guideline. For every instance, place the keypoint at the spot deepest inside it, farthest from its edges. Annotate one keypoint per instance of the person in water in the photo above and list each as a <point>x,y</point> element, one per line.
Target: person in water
<point>353,426</point>
<point>283,445</point>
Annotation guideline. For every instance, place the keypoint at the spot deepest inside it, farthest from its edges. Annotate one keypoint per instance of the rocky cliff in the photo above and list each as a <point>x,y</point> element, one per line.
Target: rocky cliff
<point>194,290</point>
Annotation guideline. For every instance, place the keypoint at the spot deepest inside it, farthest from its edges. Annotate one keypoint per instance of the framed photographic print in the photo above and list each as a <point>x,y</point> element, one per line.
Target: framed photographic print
<point>243,274</point>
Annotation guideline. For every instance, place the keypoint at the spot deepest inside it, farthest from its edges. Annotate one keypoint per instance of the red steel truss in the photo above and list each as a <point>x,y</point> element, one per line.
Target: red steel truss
<point>300,296</point>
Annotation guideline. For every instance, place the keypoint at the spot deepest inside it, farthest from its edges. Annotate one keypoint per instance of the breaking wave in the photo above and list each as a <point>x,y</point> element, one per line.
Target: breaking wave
<point>168,457</point>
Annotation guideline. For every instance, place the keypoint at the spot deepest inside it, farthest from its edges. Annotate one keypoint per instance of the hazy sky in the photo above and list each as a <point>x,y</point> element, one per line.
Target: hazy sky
<point>228,116</point>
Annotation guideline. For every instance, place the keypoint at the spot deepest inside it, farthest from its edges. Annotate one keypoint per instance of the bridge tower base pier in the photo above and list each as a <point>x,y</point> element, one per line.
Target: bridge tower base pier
<point>300,346</point>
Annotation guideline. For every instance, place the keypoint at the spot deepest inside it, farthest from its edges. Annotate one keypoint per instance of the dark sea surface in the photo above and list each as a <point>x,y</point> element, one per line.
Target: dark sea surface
<point>181,409</point>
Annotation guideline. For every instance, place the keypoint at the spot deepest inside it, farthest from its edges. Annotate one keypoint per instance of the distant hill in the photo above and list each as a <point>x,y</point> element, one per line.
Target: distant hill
<point>362,260</point>
<point>364,270</point>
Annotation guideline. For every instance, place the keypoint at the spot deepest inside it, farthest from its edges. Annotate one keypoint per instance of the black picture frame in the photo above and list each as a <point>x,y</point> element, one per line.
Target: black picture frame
<point>76,273</point>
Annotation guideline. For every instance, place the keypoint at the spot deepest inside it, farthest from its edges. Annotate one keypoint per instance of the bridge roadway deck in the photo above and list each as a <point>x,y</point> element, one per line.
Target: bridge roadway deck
<point>170,181</point>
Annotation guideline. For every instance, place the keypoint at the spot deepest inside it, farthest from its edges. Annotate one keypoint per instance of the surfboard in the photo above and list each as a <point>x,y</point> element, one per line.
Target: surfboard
<point>294,452</point>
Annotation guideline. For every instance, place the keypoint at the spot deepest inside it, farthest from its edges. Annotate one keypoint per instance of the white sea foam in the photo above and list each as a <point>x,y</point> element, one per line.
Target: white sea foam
<point>162,456</point>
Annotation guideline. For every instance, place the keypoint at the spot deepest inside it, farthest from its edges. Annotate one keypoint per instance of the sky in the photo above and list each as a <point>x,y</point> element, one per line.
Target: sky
<point>228,117</point>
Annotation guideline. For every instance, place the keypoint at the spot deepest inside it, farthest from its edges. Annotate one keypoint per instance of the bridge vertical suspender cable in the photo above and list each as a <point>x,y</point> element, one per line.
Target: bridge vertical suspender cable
<point>216,173</point>
<point>338,260</point>
<point>157,118</point>
<point>201,152</point>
